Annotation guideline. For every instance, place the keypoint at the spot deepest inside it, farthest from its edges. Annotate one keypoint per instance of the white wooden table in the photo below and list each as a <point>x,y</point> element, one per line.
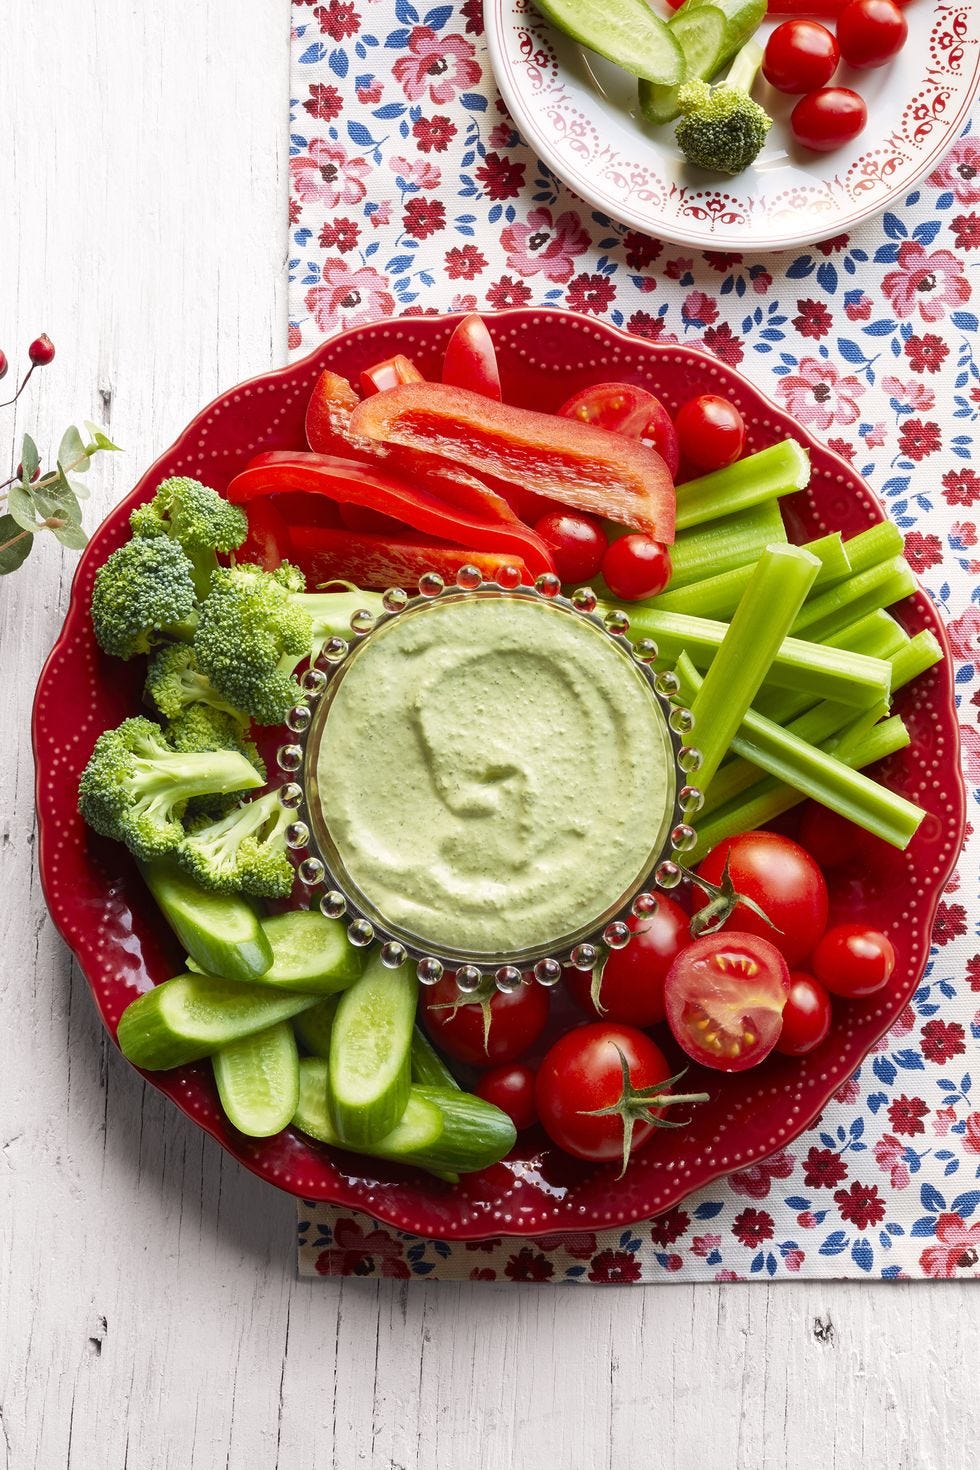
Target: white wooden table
<point>149,1312</point>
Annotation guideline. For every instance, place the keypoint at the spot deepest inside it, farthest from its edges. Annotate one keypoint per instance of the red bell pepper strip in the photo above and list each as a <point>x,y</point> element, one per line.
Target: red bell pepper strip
<point>575,463</point>
<point>343,480</point>
<point>389,374</point>
<point>377,562</point>
<point>471,359</point>
<point>268,542</point>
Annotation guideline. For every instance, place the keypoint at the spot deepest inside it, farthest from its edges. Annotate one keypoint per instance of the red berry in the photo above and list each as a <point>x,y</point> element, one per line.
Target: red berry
<point>41,350</point>
<point>4,364</point>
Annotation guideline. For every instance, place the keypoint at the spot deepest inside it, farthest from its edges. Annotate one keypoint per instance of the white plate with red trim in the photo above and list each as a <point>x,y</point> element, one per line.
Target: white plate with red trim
<point>578,112</point>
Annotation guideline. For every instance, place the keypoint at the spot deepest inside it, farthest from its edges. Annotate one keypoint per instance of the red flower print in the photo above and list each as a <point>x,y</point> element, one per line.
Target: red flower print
<point>966,229</point>
<point>424,217</point>
<point>483,1273</point>
<point>906,1114</point>
<point>340,234</point>
<point>487,1245</point>
<point>443,66</point>
<point>858,310</point>
<point>703,1245</point>
<point>674,269</point>
<point>752,1227</point>
<point>591,293</point>
<point>813,319</point>
<point>326,174</point>
<point>942,1121</point>
<point>848,1091</point>
<point>614,1266</point>
<point>464,262</point>
<point>359,1252</point>
<point>473,10</point>
<point>641,250</point>
<point>502,178</point>
<point>950,917</point>
<point>973,972</point>
<point>957,1249</point>
<point>819,396</point>
<point>842,447</point>
<point>580,1245</point>
<point>724,344</point>
<point>961,487</point>
<point>960,171</point>
<point>943,1040</point>
<point>721,260</point>
<point>642,324</point>
<point>890,1158</point>
<point>338,20</point>
<point>924,282</point>
<point>918,439</point>
<point>926,354</point>
<point>964,634</point>
<point>545,244</point>
<point>349,295</point>
<point>371,92</point>
<point>433,134</point>
<point>294,336</point>
<point>698,309</point>
<point>667,1228</point>
<point>726,1274</point>
<point>295,210</point>
<point>508,292</point>
<point>756,1181</point>
<point>834,244</point>
<point>860,1204</point>
<point>824,1169</point>
<point>529,1265</point>
<point>761,281</point>
<point>971,1137</point>
<point>923,551</point>
<point>324,102</point>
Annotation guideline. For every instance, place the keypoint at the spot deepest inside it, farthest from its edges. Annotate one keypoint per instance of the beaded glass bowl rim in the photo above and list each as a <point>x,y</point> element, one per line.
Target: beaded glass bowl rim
<point>321,872</point>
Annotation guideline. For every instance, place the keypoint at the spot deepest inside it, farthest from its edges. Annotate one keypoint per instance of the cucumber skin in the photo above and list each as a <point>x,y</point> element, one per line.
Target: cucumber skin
<point>658,104</point>
<point>364,1122</point>
<point>428,1067</point>
<point>314,1027</point>
<point>312,1117</point>
<point>558,15</point>
<point>475,1135</point>
<point>148,1041</point>
<point>342,971</point>
<point>245,958</point>
<point>289,1100</point>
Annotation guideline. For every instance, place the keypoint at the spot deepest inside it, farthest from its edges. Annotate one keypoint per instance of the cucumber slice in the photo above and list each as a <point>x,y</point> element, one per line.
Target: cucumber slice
<point>193,1016</point>
<point>428,1067</point>
<point>313,1027</point>
<point>220,931</point>
<point>701,34</point>
<point>418,1128</point>
<point>258,1080</point>
<point>370,1053</point>
<point>627,31</point>
<point>311,953</point>
<point>742,19</point>
<point>475,1133</point>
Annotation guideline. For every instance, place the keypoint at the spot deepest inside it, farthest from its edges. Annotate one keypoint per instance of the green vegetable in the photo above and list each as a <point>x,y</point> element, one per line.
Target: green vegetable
<point>143,594</point>
<point>370,1052</point>
<point>779,470</point>
<point>722,129</point>
<point>258,1080</point>
<point>202,728</point>
<point>718,546</point>
<point>701,37</point>
<point>846,601</point>
<point>175,684</point>
<point>475,1133</point>
<point>914,657</point>
<point>220,932</point>
<point>244,851</point>
<point>417,1130</point>
<point>626,31</point>
<point>314,1027</point>
<point>718,597</point>
<point>136,786</point>
<point>780,581</point>
<point>742,19</point>
<point>878,543</point>
<point>876,634</point>
<point>193,1016</point>
<point>200,520</point>
<point>310,953</point>
<point>428,1067</point>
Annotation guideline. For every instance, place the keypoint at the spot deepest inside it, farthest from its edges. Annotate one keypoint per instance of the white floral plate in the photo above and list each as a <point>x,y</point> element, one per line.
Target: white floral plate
<point>578,112</point>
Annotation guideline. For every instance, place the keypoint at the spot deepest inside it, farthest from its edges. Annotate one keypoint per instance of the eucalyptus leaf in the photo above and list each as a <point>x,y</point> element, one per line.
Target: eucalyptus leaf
<point>14,555</point>
<point>79,489</point>
<point>29,458</point>
<point>72,536</point>
<point>71,450</point>
<point>20,505</point>
<point>101,440</point>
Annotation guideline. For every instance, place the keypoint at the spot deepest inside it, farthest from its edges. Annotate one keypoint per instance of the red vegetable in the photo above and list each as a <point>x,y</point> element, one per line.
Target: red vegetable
<point>388,374</point>
<point>806,1016</point>
<point>269,540</point>
<point>871,32</point>
<point>512,1090</point>
<point>824,120</point>
<point>570,462</point>
<point>456,1024</point>
<point>625,409</point>
<point>725,995</point>
<point>577,543</point>
<point>800,55</point>
<point>470,360</point>
<point>635,567</point>
<point>854,961</point>
<point>376,561</point>
<point>778,875</point>
<point>631,986</point>
<point>711,432</point>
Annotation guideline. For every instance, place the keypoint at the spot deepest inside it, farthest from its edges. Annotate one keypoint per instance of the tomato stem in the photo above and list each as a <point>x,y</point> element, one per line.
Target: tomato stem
<point>642,1104</point>
<point>724,899</point>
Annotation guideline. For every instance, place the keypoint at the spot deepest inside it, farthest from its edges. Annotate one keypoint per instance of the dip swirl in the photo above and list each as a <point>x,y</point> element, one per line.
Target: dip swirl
<point>493,775</point>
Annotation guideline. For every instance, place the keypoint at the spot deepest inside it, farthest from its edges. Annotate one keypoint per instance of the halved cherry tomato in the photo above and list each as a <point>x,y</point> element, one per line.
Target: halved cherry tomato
<point>510,1088</point>
<point>576,541</point>
<point>711,432</point>
<point>800,55</point>
<point>626,409</point>
<point>854,961</point>
<point>456,1024</point>
<point>806,1016</point>
<point>776,873</point>
<point>725,995</point>
<point>871,32</point>
<point>636,567</point>
<point>631,987</point>
<point>825,119</point>
<point>470,360</point>
<point>388,374</point>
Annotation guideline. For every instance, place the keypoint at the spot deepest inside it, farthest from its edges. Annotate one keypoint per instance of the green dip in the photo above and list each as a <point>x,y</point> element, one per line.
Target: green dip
<point>494,775</point>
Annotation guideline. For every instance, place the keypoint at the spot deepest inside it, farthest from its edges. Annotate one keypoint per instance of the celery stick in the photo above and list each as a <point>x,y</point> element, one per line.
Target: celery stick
<point>779,470</point>
<point>768,799</point>
<point>851,599</point>
<point>879,542</point>
<point>919,654</point>
<point>780,581</point>
<point>876,634</point>
<point>717,597</point>
<point>730,542</point>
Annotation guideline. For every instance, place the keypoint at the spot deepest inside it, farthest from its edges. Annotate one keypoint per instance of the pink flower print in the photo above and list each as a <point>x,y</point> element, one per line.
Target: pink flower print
<point>439,65</point>
<point>964,634</point>
<point>971,1138</point>
<point>699,310</point>
<point>890,1158</point>
<point>963,534</point>
<point>848,1091</point>
<point>703,1245</point>
<point>545,244</point>
<point>349,296</point>
<point>326,174</point>
<point>416,171</point>
<point>381,215</point>
<point>794,1259</point>
<point>756,1181</point>
<point>912,395</point>
<point>929,283</point>
<point>463,301</point>
<point>957,1248</point>
<point>359,1252</point>
<point>818,396</point>
<point>942,1120</point>
<point>371,91</point>
<point>970,747</point>
<point>875,436</point>
<point>960,171</point>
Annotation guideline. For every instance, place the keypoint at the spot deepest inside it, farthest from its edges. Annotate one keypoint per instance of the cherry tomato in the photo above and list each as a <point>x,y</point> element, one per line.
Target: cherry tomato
<point>512,1090</point>
<point>853,960</point>
<point>778,875</point>
<point>516,1022</point>
<point>583,1071</point>
<point>625,409</point>
<point>806,1015</point>
<point>470,360</point>
<point>576,541</point>
<point>636,566</point>
<point>800,55</point>
<point>825,119</point>
<point>871,32</point>
<point>725,995</point>
<point>632,986</point>
<point>711,432</point>
<point>389,374</point>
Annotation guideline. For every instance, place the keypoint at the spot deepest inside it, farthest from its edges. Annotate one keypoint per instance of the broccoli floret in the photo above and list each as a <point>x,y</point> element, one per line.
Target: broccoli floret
<point>174,684</point>
<point>143,594</point>
<point>250,637</point>
<point>136,787</point>
<point>244,852</point>
<point>722,129</point>
<point>200,520</point>
<point>200,727</point>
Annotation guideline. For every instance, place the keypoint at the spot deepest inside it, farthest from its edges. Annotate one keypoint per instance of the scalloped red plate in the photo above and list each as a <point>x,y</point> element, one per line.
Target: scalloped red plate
<point>107,918</point>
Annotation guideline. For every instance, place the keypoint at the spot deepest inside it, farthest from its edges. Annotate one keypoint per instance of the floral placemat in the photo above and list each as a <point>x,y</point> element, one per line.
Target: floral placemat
<point>411,191</point>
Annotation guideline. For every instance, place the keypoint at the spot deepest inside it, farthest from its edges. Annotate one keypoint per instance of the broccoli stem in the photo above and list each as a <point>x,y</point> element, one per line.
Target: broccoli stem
<point>181,776</point>
<point>745,67</point>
